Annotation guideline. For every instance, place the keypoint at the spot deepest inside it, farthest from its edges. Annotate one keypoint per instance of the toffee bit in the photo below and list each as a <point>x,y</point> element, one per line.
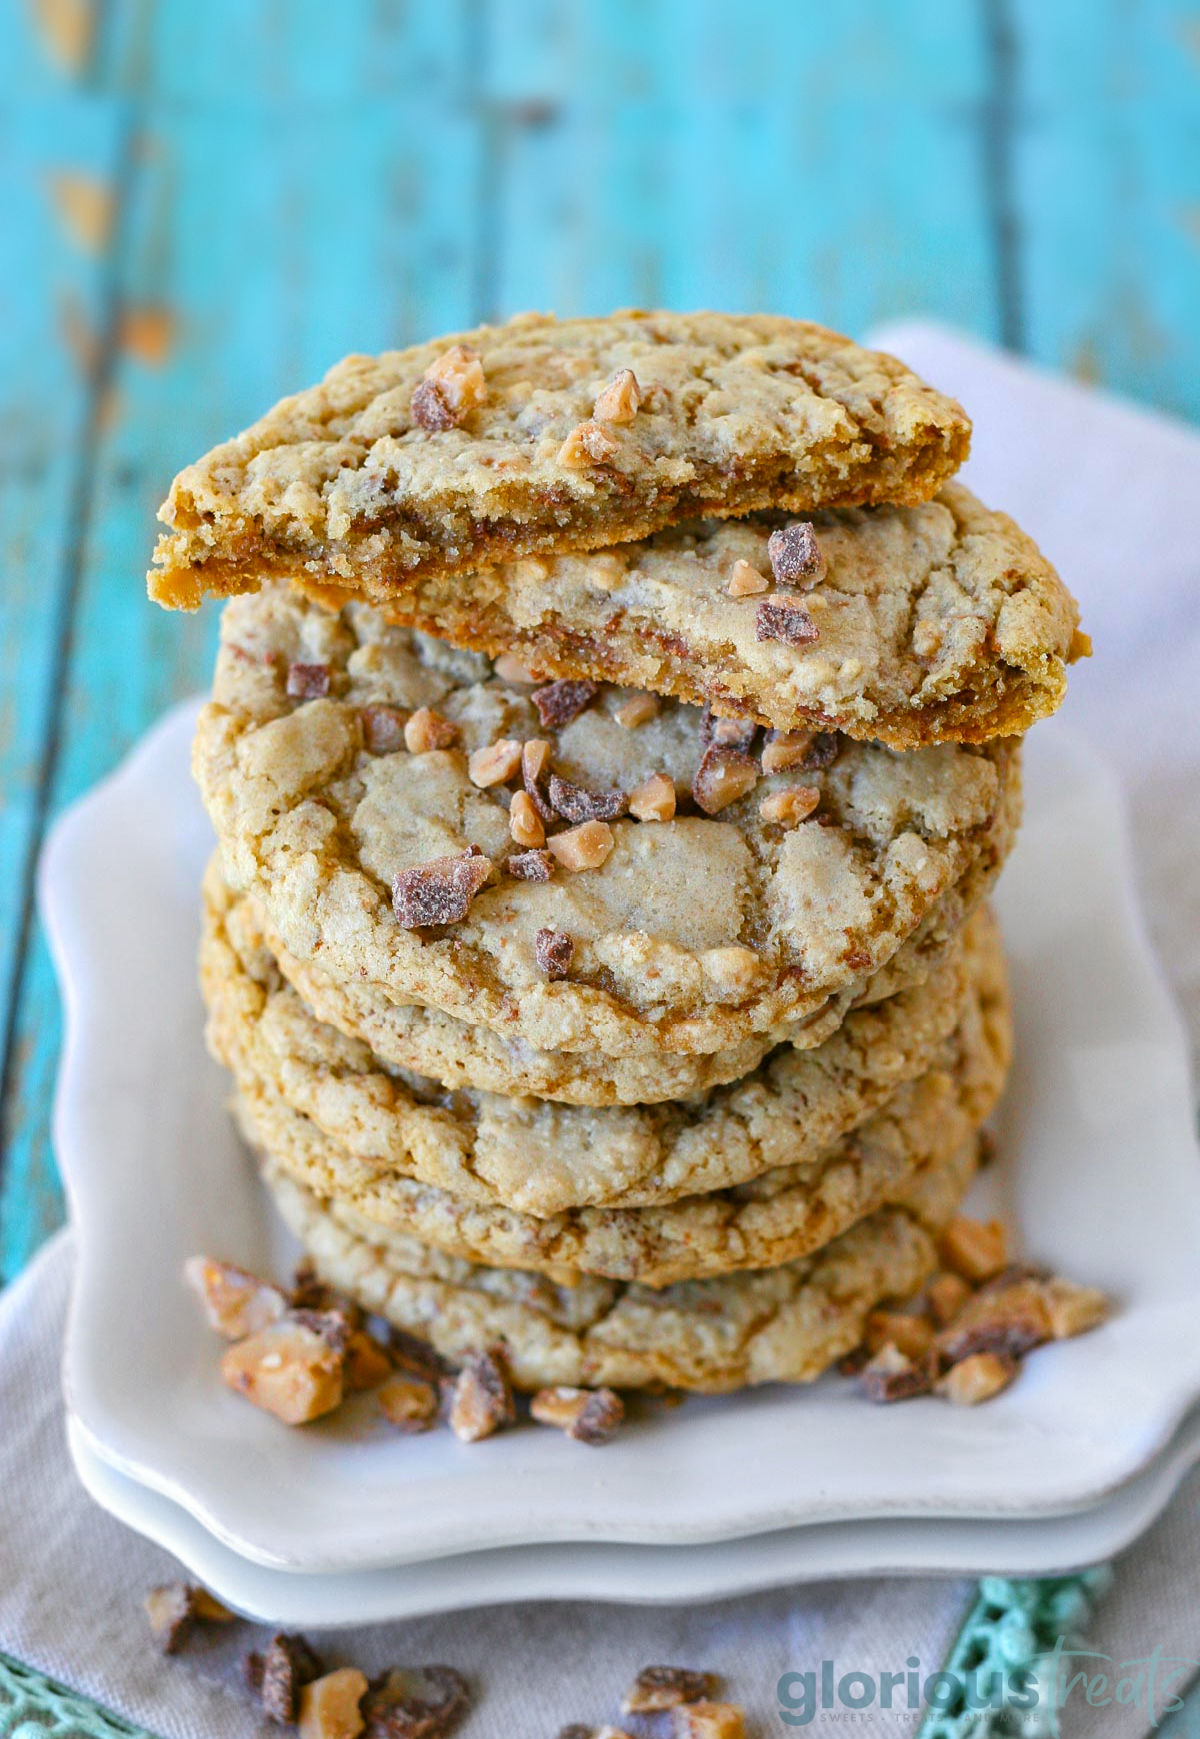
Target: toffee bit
<point>278,1676</point>
<point>408,1402</point>
<point>452,387</point>
<point>620,400</point>
<point>591,1416</point>
<point>823,751</point>
<point>727,733</point>
<point>574,803</point>
<point>724,775</point>
<point>666,1688</point>
<point>308,681</point>
<point>890,1376</point>
<point>482,1400</point>
<point>441,891</point>
<point>535,763</point>
<point>383,729</point>
<point>795,555</point>
<point>977,1378</point>
<point>174,1608</point>
<point>530,866</point>
<point>427,730</point>
<point>653,799</point>
<point>585,847</point>
<point>329,1706</point>
<point>294,1369</point>
<point>236,1302</point>
<point>415,1703</point>
<point>554,951</point>
<point>560,702</point>
<point>780,619</point>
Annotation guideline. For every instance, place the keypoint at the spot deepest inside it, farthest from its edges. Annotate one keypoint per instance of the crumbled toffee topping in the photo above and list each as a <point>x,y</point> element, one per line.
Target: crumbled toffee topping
<point>560,702</point>
<point>554,950</point>
<point>780,619</point>
<point>795,555</point>
<point>441,891</point>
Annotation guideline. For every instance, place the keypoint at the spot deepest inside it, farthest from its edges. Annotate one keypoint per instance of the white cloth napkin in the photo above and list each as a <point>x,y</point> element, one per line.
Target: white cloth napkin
<point>1110,493</point>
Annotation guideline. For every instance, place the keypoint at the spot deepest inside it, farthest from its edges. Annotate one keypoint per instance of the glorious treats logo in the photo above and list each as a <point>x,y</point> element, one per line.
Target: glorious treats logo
<point>1062,1675</point>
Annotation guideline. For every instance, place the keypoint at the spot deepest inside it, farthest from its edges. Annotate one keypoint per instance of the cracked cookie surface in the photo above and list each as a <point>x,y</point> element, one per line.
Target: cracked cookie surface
<point>688,935</point>
<point>528,449</point>
<point>937,622</point>
<point>785,1324</point>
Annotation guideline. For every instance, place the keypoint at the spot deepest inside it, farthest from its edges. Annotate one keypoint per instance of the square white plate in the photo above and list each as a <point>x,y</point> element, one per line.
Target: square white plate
<point>1099,1173</point>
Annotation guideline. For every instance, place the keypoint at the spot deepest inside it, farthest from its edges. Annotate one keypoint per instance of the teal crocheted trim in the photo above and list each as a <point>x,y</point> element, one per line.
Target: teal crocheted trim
<point>34,1707</point>
<point>1009,1638</point>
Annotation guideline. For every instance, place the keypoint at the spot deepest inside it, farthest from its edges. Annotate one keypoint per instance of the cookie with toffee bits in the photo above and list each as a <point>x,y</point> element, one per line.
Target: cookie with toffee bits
<point>785,1324</point>
<point>906,625</point>
<point>690,934</point>
<point>545,1159</point>
<point>545,435</point>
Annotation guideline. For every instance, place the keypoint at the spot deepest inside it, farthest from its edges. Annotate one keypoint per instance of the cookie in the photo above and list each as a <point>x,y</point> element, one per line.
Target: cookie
<point>402,872</point>
<point>921,624</point>
<point>776,1216</point>
<point>459,1054</point>
<point>545,435</point>
<point>542,1159</point>
<point>785,1324</point>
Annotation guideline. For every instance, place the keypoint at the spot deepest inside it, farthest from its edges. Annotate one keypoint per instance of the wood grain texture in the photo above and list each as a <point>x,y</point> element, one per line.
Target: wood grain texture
<point>280,192</point>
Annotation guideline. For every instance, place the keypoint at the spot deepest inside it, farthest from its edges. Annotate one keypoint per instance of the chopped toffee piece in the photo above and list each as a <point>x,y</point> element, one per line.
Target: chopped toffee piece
<point>790,807</point>
<point>974,1249</point>
<point>977,1378</point>
<point>307,681</point>
<point>560,702</point>
<point>795,555</point>
<point>524,823</point>
<point>415,1703</point>
<point>653,799</point>
<point>723,776</point>
<point>329,1706</point>
<point>482,1400</point>
<point>745,580</point>
<point>587,444</point>
<point>279,1675</point>
<point>428,730</point>
<point>408,1402</point>
<point>666,1688</point>
<point>638,710</point>
<point>175,1607</point>
<point>496,764</point>
<point>530,866</point>
<point>383,729</point>
<point>588,1415</point>
<point>573,803</point>
<point>450,389</point>
<point>554,950</point>
<point>890,1376</point>
<point>441,891</point>
<point>781,619</point>
<point>619,401</point>
<point>236,1302</point>
<point>582,848</point>
<point>294,1369</point>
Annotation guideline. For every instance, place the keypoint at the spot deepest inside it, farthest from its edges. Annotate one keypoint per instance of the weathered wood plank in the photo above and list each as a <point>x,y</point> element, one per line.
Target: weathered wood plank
<point>259,246</point>
<point>1107,191</point>
<point>59,163</point>
<point>826,162</point>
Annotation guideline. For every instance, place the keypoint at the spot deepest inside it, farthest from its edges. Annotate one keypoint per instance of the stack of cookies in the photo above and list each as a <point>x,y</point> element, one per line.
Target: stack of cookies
<point>614,739</point>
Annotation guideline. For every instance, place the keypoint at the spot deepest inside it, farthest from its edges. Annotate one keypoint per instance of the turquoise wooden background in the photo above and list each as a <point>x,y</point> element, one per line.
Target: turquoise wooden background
<point>205,203</point>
